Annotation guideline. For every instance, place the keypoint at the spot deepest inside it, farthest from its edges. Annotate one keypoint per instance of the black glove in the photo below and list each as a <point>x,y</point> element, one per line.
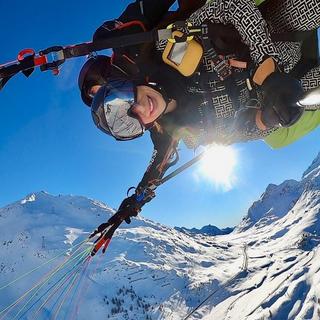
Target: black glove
<point>131,207</point>
<point>279,105</point>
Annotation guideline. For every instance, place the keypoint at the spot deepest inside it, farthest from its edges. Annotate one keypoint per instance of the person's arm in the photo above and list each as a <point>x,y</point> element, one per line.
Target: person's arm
<point>163,154</point>
<point>247,19</point>
<point>150,12</point>
<point>162,158</point>
<point>139,16</point>
<point>280,90</point>
<point>164,150</point>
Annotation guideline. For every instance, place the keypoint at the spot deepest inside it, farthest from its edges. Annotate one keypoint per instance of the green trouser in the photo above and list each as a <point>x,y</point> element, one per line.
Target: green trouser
<point>259,2</point>
<point>284,136</point>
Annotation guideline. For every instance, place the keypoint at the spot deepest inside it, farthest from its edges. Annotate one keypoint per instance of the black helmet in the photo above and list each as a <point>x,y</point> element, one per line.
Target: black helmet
<point>99,70</point>
<point>95,71</point>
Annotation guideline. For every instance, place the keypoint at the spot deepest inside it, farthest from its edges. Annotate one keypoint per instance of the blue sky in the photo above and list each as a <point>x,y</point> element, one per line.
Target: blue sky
<point>48,141</point>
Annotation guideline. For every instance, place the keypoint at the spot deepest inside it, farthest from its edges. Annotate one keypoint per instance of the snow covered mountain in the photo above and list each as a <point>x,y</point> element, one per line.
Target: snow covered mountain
<point>267,268</point>
<point>208,230</point>
<point>277,201</point>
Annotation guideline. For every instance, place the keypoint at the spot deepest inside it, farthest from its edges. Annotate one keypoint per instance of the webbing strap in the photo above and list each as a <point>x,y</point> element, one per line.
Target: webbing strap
<point>221,67</point>
<point>119,42</point>
<point>60,54</point>
<point>295,36</point>
<point>310,55</point>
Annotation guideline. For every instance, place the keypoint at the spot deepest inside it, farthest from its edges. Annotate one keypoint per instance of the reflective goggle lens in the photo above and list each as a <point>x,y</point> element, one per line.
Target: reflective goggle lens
<point>111,110</point>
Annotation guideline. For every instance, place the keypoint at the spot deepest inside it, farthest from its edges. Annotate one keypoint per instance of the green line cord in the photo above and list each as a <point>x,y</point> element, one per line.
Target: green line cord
<point>71,286</point>
<point>41,283</point>
<point>58,286</point>
<point>52,259</point>
<point>82,254</point>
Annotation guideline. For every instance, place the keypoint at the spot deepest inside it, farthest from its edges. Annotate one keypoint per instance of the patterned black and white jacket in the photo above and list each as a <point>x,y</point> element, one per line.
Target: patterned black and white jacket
<point>217,101</point>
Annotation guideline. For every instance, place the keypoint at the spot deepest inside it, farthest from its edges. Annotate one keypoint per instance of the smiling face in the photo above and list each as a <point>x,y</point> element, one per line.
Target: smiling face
<point>125,111</point>
<point>149,104</point>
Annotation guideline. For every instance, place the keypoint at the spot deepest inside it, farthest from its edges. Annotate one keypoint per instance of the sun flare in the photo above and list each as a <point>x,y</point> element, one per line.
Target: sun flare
<point>218,165</point>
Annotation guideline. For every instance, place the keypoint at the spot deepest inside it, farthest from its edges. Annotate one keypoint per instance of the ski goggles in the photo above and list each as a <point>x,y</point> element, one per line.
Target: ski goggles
<point>111,110</point>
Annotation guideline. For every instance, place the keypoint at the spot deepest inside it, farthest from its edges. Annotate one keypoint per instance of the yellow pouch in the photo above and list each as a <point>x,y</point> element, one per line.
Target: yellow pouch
<point>183,56</point>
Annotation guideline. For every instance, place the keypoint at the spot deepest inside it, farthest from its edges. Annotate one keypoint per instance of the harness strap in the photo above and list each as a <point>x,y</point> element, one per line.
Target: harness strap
<point>52,57</point>
<point>221,68</point>
<point>295,36</point>
<point>238,64</point>
<point>310,56</point>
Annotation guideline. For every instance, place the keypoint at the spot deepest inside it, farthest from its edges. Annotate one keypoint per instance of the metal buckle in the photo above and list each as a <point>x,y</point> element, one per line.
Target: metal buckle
<point>223,70</point>
<point>55,57</point>
<point>186,28</point>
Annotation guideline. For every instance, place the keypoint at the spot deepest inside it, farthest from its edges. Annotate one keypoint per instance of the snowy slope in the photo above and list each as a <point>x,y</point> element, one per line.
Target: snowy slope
<point>274,203</point>
<point>267,268</point>
<point>282,280</point>
<point>155,266</point>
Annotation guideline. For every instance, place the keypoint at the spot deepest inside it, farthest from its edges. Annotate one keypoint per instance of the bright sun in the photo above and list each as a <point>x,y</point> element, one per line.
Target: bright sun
<point>218,165</point>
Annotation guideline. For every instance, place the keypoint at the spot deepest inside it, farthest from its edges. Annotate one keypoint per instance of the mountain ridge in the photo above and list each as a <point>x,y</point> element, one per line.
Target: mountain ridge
<point>209,230</point>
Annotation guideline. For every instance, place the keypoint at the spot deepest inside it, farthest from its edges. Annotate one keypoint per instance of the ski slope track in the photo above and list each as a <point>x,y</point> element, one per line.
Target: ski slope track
<point>267,268</point>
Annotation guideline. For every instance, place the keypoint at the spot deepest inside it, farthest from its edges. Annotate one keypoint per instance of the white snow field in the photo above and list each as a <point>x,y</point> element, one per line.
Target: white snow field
<point>267,268</point>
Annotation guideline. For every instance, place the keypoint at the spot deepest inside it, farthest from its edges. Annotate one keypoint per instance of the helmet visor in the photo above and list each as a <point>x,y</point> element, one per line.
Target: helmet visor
<point>111,110</point>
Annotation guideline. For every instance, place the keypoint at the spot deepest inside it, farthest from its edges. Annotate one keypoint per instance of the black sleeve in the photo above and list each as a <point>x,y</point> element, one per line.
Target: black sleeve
<point>162,158</point>
<point>150,12</point>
